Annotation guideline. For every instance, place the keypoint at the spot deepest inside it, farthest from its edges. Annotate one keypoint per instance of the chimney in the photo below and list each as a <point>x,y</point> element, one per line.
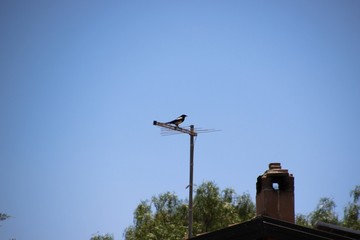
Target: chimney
<point>275,194</point>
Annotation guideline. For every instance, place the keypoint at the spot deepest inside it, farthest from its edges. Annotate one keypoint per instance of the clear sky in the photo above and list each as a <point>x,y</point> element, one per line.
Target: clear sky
<point>82,81</point>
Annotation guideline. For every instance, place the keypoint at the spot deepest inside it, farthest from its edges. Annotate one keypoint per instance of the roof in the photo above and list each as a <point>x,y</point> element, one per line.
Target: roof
<point>263,227</point>
<point>338,230</point>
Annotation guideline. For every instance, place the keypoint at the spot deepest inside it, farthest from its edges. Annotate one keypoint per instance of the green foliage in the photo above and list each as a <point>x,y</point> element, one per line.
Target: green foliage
<point>324,212</point>
<point>102,237</point>
<point>166,216</point>
<point>161,218</point>
<point>245,207</point>
<point>207,202</point>
<point>303,220</point>
<point>215,209</point>
<point>352,210</point>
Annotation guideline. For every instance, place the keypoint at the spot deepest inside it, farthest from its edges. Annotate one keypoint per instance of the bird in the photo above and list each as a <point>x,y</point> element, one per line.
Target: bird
<point>178,120</point>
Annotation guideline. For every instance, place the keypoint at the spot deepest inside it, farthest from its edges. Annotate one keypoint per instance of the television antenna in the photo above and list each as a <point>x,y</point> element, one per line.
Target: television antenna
<point>169,129</point>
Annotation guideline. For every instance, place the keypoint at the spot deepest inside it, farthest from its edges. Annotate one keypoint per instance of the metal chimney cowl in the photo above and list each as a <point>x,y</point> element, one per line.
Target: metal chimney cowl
<point>275,194</point>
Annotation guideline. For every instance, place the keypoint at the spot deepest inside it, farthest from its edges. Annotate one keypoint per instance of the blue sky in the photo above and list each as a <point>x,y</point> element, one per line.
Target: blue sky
<point>82,81</point>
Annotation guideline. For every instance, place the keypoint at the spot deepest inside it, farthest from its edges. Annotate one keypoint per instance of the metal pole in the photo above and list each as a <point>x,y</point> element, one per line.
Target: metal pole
<point>191,182</point>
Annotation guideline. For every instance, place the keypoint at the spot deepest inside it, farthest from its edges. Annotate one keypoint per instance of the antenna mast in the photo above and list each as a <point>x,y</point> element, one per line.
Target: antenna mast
<point>192,134</point>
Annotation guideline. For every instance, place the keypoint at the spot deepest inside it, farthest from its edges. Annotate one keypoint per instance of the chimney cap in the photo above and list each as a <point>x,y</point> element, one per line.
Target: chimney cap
<point>274,166</point>
<point>276,170</point>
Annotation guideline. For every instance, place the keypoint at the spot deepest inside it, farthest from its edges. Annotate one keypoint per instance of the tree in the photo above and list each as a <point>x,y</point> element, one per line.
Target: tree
<point>352,210</point>
<point>102,237</point>
<point>215,209</point>
<point>245,207</point>
<point>207,207</point>
<point>303,220</point>
<point>325,212</point>
<point>166,216</point>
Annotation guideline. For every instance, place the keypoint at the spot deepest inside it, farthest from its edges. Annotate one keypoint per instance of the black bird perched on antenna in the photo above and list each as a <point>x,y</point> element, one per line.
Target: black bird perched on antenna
<point>178,121</point>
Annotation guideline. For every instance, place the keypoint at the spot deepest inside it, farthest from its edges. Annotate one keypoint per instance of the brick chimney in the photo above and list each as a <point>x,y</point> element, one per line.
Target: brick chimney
<point>275,194</point>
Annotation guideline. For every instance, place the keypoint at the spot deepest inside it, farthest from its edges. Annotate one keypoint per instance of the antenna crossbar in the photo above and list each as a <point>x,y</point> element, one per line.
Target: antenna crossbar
<point>175,128</point>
